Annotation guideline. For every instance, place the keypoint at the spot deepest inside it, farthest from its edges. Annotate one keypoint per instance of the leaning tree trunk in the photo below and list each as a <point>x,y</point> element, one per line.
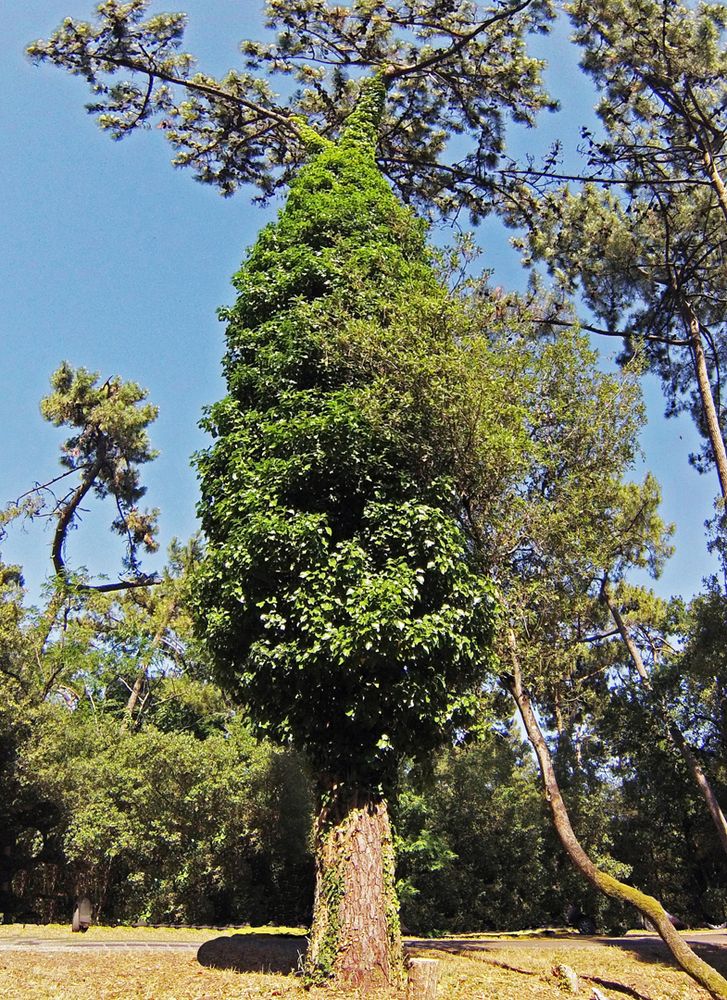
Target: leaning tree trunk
<point>647,906</point>
<point>675,734</point>
<point>355,940</point>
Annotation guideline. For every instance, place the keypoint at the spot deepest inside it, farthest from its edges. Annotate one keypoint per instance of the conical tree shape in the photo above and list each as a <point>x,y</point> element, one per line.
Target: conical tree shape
<point>336,595</point>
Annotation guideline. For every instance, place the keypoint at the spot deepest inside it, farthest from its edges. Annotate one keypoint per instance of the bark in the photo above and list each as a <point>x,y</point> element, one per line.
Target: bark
<point>675,733</point>
<point>423,979</point>
<point>68,511</point>
<point>65,517</point>
<point>355,940</point>
<point>715,178</point>
<point>647,906</point>
<point>135,692</point>
<point>709,409</point>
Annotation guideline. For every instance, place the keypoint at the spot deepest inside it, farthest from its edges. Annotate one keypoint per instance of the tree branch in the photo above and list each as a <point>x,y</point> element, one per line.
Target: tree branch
<point>396,73</point>
<point>202,88</point>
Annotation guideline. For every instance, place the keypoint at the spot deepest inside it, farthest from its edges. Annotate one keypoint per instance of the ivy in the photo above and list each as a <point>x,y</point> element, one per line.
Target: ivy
<point>337,595</point>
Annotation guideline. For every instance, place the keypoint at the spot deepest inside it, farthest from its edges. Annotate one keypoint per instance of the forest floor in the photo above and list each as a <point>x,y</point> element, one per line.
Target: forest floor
<point>40,963</point>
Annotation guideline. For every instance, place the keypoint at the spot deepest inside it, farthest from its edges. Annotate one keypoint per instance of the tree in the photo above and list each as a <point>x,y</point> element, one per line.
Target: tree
<point>432,57</point>
<point>336,593</point>
<point>649,907</point>
<point>471,840</point>
<point>452,69</point>
<point>159,824</point>
<point>563,517</point>
<point>649,234</point>
<point>647,229</point>
<point>641,620</point>
<point>44,654</point>
<point>108,444</point>
<point>661,828</point>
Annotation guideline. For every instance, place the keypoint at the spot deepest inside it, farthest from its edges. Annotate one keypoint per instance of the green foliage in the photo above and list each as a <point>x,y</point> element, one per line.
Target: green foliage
<point>167,827</point>
<point>659,824</point>
<point>456,69</point>
<point>471,841</point>
<point>173,812</point>
<point>647,248</point>
<point>337,595</point>
<point>108,444</point>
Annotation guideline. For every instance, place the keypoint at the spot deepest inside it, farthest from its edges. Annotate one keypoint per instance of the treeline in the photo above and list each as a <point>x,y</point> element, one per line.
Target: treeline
<point>129,776</point>
<point>174,812</point>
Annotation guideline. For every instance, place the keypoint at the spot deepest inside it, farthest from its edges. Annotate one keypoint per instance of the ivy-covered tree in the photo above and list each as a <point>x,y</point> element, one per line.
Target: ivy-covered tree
<point>337,594</point>
<point>414,615</point>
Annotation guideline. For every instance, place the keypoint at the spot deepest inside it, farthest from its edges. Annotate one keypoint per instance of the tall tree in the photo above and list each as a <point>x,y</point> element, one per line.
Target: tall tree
<point>641,623</point>
<point>108,444</point>
<point>337,594</point>
<point>409,608</point>
<point>562,516</point>
<point>613,887</point>
<point>644,240</point>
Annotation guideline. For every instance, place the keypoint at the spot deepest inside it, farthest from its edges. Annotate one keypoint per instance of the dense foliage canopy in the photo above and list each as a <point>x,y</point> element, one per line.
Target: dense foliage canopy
<point>337,593</point>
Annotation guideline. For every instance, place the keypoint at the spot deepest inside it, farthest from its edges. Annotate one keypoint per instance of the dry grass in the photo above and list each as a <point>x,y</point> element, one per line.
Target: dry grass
<point>525,973</point>
<point>122,932</point>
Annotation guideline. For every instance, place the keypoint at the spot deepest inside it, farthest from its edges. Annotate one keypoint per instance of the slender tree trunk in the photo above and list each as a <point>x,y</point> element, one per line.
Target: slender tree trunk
<point>135,692</point>
<point>355,940</point>
<point>647,906</point>
<point>709,409</point>
<point>715,178</point>
<point>141,676</point>
<point>675,733</point>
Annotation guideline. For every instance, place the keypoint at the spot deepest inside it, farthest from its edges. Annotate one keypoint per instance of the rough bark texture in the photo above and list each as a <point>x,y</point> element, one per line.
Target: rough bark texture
<point>355,939</point>
<point>423,979</point>
<point>651,908</point>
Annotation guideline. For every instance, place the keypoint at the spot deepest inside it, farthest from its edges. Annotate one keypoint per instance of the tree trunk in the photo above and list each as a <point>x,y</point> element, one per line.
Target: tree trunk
<point>647,906</point>
<point>355,940</point>
<point>141,676</point>
<point>135,692</point>
<point>709,409</point>
<point>675,733</point>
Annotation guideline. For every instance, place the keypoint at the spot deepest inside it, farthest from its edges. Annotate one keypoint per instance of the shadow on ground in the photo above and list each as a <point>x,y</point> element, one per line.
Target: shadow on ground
<point>654,950</point>
<point>254,952</point>
<point>647,948</point>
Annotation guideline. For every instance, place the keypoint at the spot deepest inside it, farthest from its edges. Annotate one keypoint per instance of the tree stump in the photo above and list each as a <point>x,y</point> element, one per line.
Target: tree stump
<point>567,978</point>
<point>422,979</point>
<point>82,915</point>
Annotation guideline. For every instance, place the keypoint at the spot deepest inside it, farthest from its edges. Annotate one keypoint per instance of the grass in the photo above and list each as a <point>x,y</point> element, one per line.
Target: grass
<point>123,932</point>
<point>500,973</point>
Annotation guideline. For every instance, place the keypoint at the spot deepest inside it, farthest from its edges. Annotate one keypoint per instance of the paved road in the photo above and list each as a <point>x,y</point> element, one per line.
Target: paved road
<point>85,943</point>
<point>709,945</point>
<point>644,943</point>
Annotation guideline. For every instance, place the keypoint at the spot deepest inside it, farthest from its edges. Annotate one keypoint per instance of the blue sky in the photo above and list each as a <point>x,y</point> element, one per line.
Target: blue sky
<point>113,260</point>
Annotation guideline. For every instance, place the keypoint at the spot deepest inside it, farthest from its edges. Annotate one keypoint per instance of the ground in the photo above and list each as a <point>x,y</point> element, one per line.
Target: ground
<point>40,963</point>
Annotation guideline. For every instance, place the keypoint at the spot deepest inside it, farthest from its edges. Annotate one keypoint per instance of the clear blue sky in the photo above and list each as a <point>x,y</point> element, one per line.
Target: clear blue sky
<point>113,260</point>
